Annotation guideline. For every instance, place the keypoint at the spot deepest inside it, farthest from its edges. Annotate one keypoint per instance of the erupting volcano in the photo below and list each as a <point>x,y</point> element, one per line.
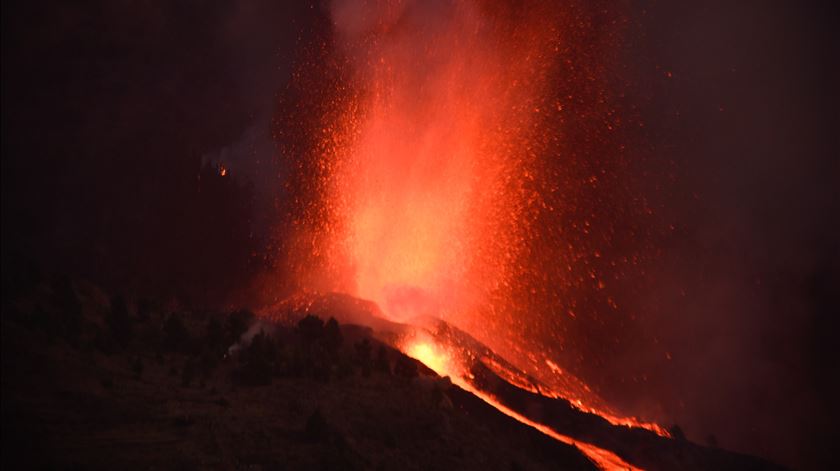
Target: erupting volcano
<point>419,234</point>
<point>438,168</point>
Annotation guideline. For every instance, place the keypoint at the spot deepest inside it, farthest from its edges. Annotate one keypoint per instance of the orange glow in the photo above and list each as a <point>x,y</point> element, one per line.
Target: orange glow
<point>430,356</point>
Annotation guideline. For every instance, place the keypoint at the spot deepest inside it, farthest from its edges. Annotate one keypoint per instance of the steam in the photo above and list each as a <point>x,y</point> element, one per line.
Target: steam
<point>253,330</point>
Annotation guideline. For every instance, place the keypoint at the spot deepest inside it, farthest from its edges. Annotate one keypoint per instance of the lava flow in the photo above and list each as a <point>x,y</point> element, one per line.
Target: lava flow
<point>429,176</point>
<point>446,363</point>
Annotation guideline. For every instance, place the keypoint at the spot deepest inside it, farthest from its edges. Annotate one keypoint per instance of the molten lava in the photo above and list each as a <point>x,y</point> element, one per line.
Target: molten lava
<point>430,356</point>
<point>438,359</point>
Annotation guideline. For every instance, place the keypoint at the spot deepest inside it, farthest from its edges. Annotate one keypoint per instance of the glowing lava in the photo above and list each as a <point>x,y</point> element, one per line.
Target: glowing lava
<point>430,356</point>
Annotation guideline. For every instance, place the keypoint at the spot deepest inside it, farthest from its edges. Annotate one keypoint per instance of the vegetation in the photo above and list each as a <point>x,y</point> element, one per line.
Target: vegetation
<point>176,338</point>
<point>192,345</point>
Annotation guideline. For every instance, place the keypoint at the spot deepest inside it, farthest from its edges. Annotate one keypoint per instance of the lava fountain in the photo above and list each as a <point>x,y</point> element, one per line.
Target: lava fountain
<point>426,137</point>
<point>427,166</point>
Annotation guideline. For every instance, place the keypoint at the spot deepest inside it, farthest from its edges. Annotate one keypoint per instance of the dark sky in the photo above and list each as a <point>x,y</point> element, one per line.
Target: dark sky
<point>110,110</point>
<point>747,297</point>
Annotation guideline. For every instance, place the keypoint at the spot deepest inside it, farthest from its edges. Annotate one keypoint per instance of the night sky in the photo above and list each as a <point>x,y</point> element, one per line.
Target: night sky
<point>117,116</point>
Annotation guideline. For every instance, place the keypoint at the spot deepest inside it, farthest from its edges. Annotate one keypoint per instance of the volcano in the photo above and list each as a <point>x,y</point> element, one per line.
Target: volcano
<point>295,392</point>
<point>608,442</point>
<point>419,234</point>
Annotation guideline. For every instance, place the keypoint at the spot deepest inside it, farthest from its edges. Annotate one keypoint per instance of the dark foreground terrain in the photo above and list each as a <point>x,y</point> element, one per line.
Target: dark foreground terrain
<point>91,381</point>
<point>135,386</point>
